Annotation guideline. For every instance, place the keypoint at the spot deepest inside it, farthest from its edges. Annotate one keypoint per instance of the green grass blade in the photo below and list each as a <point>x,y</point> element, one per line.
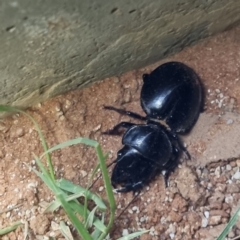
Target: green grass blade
<point>72,188</point>
<point>97,167</point>
<point>133,235</point>
<point>54,205</point>
<point>44,175</point>
<point>79,209</point>
<point>95,234</point>
<point>45,179</point>
<point>230,224</point>
<point>9,229</point>
<point>73,206</point>
<point>82,231</point>
<point>44,143</point>
<point>85,212</point>
<point>95,171</point>
<point>65,231</point>
<point>69,143</point>
<point>90,218</point>
<point>103,167</point>
<point>108,187</point>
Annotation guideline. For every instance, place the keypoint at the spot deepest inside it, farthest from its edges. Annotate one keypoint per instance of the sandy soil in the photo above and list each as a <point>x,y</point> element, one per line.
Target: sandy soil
<point>203,193</point>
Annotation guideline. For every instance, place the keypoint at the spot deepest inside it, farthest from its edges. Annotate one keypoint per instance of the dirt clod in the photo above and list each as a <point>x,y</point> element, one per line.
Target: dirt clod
<point>40,224</point>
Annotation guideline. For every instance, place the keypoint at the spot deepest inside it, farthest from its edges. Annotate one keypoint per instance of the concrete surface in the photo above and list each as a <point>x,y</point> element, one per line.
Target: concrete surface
<point>50,47</point>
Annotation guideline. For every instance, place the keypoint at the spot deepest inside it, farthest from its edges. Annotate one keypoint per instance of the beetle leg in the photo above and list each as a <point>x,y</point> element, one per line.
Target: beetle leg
<point>185,151</point>
<point>171,164</point>
<point>166,176</point>
<point>180,145</point>
<point>116,129</point>
<point>169,169</point>
<point>135,195</point>
<point>124,112</point>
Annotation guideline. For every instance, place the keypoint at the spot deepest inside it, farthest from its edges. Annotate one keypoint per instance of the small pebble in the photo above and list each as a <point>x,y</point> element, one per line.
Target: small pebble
<point>199,172</point>
<point>204,222</point>
<point>172,235</point>
<point>228,167</point>
<point>232,100</point>
<point>236,175</point>
<point>217,171</point>
<point>220,103</point>
<point>238,162</point>
<point>171,228</point>
<point>68,103</point>
<point>54,226</point>
<point>163,220</point>
<point>58,108</point>
<point>83,173</point>
<point>130,211</point>
<point>125,232</point>
<point>229,199</point>
<point>2,126</point>
<point>152,230</point>
<point>209,186</point>
<point>215,220</point>
<point>206,214</point>
<point>59,113</point>
<point>19,132</point>
<point>135,209</point>
<point>62,117</point>
<point>231,235</point>
<point>229,121</point>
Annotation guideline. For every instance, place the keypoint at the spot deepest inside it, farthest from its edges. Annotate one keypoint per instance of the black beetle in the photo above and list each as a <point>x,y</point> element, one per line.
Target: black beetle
<point>172,92</point>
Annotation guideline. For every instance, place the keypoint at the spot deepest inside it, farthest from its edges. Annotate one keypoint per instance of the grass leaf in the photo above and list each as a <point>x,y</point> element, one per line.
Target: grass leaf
<point>73,188</point>
<point>11,228</point>
<point>66,231</point>
<point>133,235</point>
<point>82,231</point>
<point>230,224</point>
<point>91,216</point>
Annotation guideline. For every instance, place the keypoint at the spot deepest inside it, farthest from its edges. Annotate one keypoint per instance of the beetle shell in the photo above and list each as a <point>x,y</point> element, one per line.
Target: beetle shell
<point>132,170</point>
<point>172,92</point>
<point>150,140</point>
<point>147,151</point>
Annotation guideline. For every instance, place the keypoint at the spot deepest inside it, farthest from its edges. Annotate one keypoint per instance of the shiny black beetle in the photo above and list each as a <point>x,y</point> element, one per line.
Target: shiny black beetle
<point>172,92</point>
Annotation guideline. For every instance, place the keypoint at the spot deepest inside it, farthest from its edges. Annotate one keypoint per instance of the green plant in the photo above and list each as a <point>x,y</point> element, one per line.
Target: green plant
<point>229,226</point>
<point>11,228</point>
<point>66,193</point>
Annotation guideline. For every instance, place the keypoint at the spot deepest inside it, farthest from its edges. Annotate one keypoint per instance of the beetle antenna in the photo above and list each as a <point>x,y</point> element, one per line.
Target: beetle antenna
<point>124,112</point>
<point>136,194</point>
<point>109,165</point>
